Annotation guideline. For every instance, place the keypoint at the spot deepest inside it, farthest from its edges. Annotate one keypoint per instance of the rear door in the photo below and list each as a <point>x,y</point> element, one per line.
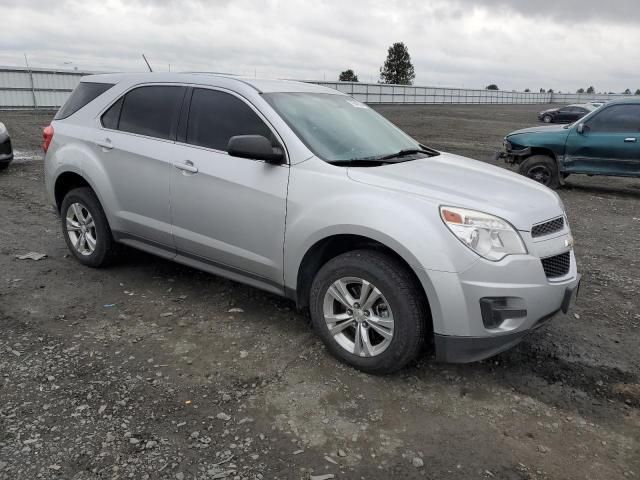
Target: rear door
<point>609,144</point>
<point>228,212</point>
<point>137,148</point>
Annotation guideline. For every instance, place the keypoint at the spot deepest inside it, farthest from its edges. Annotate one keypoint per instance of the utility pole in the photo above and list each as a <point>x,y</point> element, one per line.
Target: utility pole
<point>33,88</point>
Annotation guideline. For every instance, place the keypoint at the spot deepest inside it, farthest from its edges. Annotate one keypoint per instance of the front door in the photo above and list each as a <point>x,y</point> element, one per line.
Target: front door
<point>609,143</point>
<point>226,211</point>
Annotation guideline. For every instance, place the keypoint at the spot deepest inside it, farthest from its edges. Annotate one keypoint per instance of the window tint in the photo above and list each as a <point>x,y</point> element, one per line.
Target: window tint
<point>111,117</point>
<point>84,93</point>
<point>617,118</point>
<point>151,111</point>
<point>215,117</point>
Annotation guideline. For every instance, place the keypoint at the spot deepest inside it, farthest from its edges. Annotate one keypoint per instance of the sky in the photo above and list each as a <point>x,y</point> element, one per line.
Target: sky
<point>516,44</point>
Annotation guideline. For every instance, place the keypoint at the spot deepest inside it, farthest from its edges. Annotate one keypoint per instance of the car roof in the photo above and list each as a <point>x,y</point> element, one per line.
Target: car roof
<point>262,85</point>
<point>635,99</point>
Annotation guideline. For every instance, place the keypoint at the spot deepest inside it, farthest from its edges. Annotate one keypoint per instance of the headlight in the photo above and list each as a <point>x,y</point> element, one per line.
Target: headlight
<point>3,129</point>
<point>490,237</point>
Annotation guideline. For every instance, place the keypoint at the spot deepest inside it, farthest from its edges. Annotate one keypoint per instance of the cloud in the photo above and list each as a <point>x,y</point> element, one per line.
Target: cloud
<point>514,43</point>
<point>567,12</point>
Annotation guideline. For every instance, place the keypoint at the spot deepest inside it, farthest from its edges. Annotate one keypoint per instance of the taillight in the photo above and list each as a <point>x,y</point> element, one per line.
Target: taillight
<point>47,136</point>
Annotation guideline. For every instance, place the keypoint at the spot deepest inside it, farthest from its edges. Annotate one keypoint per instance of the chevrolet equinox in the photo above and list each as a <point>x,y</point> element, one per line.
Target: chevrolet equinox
<point>303,191</point>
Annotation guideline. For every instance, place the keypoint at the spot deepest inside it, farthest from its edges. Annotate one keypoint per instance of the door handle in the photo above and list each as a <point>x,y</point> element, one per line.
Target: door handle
<point>187,166</point>
<point>106,143</point>
<point>630,140</point>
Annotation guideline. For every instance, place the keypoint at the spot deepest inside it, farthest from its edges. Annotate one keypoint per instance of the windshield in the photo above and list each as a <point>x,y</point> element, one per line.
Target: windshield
<point>338,128</point>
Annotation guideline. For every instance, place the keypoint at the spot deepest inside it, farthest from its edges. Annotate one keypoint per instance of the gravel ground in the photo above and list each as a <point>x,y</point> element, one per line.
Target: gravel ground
<point>153,370</point>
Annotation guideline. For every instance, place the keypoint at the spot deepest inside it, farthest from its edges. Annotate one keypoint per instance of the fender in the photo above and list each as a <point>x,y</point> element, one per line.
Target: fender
<point>412,229</point>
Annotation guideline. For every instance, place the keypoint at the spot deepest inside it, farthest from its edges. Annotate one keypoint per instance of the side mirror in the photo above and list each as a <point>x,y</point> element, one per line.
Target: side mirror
<point>255,147</point>
<point>581,128</point>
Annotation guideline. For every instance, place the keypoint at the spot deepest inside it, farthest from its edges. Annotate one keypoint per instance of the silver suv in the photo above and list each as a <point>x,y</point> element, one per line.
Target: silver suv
<point>305,192</point>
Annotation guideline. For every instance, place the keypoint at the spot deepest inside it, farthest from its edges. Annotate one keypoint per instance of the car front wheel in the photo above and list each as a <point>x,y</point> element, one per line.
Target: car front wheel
<point>542,169</point>
<point>86,229</point>
<point>547,119</point>
<point>368,310</point>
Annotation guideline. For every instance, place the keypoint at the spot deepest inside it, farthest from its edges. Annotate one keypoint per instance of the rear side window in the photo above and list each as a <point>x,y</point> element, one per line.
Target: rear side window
<point>84,93</point>
<point>215,117</point>
<point>152,111</point>
<point>617,118</point>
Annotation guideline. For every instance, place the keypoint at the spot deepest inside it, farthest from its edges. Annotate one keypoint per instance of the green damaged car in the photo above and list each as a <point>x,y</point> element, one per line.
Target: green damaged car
<point>604,142</point>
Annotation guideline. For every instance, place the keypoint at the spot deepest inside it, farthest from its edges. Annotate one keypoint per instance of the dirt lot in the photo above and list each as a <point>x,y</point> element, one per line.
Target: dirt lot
<point>154,370</point>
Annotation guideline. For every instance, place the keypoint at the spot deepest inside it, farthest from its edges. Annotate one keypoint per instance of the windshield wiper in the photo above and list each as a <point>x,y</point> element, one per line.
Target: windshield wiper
<point>410,151</point>
<point>380,160</point>
<point>360,162</point>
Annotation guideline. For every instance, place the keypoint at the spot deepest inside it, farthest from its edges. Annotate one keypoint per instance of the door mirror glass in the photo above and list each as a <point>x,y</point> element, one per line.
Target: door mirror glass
<point>580,128</point>
<point>255,147</point>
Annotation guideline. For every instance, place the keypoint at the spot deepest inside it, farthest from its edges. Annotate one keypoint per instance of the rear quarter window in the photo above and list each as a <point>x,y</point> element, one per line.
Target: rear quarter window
<point>85,93</point>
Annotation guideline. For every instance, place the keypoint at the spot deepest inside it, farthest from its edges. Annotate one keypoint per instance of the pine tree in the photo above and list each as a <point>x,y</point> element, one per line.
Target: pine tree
<point>397,67</point>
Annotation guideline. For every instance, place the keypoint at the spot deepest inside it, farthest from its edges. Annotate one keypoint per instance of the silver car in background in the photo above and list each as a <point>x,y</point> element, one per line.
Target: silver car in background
<point>6,151</point>
<point>305,192</point>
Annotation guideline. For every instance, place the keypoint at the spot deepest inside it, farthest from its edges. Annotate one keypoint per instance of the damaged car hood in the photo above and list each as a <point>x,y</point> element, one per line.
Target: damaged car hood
<point>541,129</point>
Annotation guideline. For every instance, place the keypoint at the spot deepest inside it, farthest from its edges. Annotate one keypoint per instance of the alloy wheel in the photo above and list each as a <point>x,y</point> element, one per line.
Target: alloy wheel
<point>81,229</point>
<point>358,316</point>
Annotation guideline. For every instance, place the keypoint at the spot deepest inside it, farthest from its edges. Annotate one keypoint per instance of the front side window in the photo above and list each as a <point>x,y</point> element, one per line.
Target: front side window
<point>215,117</point>
<point>617,118</point>
<point>339,128</point>
<point>152,111</point>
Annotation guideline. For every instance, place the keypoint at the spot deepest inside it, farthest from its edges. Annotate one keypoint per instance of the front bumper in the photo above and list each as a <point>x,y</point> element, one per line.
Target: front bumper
<point>491,306</point>
<point>458,349</point>
<point>512,156</point>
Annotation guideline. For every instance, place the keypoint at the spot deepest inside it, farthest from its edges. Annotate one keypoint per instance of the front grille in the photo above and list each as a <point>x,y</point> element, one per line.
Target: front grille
<point>557,266</point>
<point>547,228</point>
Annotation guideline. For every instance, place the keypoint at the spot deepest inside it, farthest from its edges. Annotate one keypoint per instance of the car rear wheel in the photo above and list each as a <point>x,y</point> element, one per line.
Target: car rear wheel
<point>369,311</point>
<point>542,169</point>
<point>547,119</point>
<point>86,229</point>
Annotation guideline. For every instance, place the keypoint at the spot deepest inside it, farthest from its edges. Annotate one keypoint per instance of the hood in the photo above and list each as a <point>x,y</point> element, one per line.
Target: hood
<point>550,110</point>
<point>541,128</point>
<point>453,180</point>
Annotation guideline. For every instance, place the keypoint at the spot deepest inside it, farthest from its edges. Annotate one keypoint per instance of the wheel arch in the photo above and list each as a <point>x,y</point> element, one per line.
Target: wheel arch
<point>67,181</point>
<point>543,151</point>
<point>333,245</point>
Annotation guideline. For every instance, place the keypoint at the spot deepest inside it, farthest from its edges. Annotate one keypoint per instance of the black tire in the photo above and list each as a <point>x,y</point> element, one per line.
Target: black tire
<point>106,249</point>
<point>542,169</point>
<point>405,298</point>
<point>547,119</point>
<point>4,166</point>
